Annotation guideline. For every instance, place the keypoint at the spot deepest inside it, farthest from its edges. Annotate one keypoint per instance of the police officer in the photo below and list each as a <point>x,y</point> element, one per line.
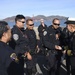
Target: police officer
<point>7,55</point>
<point>71,50</point>
<point>65,42</point>
<point>65,36</point>
<point>31,34</point>
<point>19,42</point>
<point>31,65</point>
<point>41,28</point>
<point>52,43</point>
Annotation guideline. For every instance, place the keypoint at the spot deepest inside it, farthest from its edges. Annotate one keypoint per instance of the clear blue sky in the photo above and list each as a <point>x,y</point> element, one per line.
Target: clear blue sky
<point>10,8</point>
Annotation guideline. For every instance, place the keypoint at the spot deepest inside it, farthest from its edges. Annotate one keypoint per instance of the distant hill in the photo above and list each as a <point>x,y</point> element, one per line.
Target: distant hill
<point>38,17</point>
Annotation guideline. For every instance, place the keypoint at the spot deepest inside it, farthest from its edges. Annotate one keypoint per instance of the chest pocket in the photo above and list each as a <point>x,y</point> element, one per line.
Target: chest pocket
<point>52,35</point>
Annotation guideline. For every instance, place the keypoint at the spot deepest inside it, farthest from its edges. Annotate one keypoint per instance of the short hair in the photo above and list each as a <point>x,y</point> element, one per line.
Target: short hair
<point>28,20</point>
<point>18,17</point>
<point>3,23</point>
<point>54,19</point>
<point>3,28</point>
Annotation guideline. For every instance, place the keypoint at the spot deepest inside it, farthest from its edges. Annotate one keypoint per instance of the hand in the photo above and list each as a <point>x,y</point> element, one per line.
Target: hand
<point>64,52</point>
<point>29,57</point>
<point>58,47</point>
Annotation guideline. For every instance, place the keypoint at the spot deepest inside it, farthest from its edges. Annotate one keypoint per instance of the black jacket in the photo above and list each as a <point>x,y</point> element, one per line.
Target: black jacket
<point>5,60</point>
<point>72,43</point>
<point>49,38</point>
<point>19,40</point>
<point>41,29</point>
<point>32,39</point>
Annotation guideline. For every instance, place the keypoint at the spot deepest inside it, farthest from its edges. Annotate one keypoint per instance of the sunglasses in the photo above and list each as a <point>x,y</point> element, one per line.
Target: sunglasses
<point>56,24</point>
<point>21,21</point>
<point>31,24</point>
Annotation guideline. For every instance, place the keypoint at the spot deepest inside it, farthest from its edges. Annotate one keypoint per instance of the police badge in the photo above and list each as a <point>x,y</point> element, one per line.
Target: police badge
<point>44,33</point>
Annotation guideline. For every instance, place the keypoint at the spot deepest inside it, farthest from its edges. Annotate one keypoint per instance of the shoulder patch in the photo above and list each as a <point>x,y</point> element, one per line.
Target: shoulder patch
<point>44,33</point>
<point>15,37</point>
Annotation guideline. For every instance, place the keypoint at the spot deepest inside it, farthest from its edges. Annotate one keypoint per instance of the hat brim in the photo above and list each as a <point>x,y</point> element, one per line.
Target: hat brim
<point>70,22</point>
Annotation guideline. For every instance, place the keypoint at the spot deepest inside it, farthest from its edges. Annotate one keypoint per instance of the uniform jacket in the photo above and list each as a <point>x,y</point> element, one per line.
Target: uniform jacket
<point>49,38</point>
<point>19,40</point>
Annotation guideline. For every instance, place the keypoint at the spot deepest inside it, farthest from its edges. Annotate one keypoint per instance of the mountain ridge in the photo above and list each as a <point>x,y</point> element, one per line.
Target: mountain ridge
<point>38,17</point>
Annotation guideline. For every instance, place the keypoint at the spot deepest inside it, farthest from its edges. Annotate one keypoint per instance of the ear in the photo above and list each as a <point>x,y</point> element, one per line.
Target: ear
<point>4,33</point>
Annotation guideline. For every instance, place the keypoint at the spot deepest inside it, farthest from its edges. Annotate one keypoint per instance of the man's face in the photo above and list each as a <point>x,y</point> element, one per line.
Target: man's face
<point>70,28</point>
<point>30,25</point>
<point>20,23</point>
<point>42,21</point>
<point>56,24</point>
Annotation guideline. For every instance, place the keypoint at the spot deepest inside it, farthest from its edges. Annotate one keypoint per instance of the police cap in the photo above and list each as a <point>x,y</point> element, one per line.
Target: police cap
<point>70,21</point>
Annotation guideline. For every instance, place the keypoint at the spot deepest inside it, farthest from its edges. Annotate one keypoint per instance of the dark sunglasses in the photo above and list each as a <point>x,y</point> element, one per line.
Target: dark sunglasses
<point>21,21</point>
<point>31,24</point>
<point>56,24</point>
